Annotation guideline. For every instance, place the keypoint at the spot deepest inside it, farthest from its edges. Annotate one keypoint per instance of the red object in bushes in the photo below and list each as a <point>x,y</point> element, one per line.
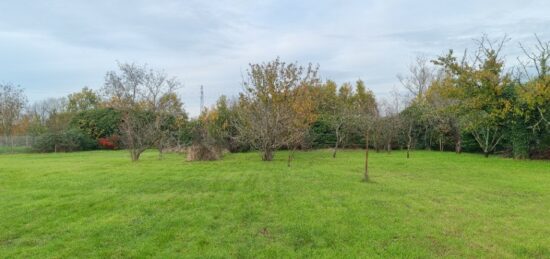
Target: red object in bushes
<point>108,142</point>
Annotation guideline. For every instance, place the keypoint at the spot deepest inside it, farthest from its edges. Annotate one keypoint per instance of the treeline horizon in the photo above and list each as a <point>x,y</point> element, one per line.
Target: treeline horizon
<point>469,102</point>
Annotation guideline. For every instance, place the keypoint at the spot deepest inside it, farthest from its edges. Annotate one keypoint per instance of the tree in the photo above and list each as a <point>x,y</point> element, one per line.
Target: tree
<point>49,116</point>
<point>391,121</point>
<point>420,77</point>
<point>366,111</point>
<point>480,87</point>
<point>42,110</point>
<point>440,112</point>
<point>212,132</point>
<point>12,101</point>
<point>267,107</point>
<point>170,117</point>
<point>418,81</point>
<point>137,92</point>
<point>530,119</point>
<point>302,115</point>
<point>341,115</point>
<point>84,100</point>
<point>411,117</point>
<point>97,123</point>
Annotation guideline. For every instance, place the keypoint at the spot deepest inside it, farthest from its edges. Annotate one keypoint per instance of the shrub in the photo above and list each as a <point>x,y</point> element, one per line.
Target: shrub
<point>201,152</point>
<point>97,123</point>
<point>112,142</point>
<point>66,141</point>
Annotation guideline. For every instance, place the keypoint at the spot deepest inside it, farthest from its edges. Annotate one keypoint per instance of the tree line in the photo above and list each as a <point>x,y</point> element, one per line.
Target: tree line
<point>469,102</point>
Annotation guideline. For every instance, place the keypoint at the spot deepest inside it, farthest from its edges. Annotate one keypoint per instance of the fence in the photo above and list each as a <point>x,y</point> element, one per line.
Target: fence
<point>16,141</point>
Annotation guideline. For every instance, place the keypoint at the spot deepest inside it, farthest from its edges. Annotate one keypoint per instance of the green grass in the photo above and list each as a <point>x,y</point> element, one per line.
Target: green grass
<point>14,150</point>
<point>99,204</point>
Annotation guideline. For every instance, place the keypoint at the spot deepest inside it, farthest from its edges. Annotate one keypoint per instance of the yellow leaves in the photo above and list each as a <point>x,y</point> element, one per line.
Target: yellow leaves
<point>535,93</point>
<point>303,105</point>
<point>209,116</point>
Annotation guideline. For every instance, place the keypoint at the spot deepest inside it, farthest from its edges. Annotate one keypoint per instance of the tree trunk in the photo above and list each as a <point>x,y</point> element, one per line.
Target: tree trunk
<point>458,144</point>
<point>290,156</point>
<point>440,144</point>
<point>409,140</point>
<point>335,148</point>
<point>486,153</point>
<point>375,143</point>
<point>135,154</point>
<point>161,153</point>
<point>426,139</point>
<point>267,155</point>
<point>367,156</point>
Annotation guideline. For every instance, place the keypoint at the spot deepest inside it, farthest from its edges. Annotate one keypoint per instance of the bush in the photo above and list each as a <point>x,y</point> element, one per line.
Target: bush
<point>112,142</point>
<point>66,141</point>
<point>97,123</point>
<point>199,152</point>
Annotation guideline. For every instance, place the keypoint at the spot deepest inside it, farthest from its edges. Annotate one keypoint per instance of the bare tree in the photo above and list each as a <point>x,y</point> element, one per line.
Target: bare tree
<point>421,74</point>
<point>44,109</point>
<point>420,77</point>
<point>137,93</point>
<point>366,114</point>
<point>391,120</point>
<point>12,101</point>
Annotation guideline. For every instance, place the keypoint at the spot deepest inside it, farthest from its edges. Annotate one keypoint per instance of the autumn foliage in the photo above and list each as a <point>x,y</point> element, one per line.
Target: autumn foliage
<point>112,142</point>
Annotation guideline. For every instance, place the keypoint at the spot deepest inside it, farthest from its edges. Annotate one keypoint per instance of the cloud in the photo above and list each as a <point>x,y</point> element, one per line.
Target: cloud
<point>53,48</point>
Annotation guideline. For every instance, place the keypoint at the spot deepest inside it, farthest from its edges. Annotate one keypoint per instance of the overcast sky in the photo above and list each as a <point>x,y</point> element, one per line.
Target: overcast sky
<point>53,48</point>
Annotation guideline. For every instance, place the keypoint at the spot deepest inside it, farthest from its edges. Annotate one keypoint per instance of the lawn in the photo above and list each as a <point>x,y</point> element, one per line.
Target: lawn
<point>99,204</point>
<point>18,149</point>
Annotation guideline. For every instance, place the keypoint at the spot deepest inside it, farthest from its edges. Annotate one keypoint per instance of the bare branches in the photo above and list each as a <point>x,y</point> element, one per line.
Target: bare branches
<point>420,77</point>
<point>146,99</point>
<point>488,47</point>
<point>538,59</point>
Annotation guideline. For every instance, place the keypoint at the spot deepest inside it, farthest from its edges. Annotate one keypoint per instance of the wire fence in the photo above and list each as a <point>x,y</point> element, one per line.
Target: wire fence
<point>16,141</point>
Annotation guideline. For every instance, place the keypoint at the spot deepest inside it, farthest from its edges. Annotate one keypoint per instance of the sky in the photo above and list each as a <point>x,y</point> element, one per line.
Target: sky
<point>53,48</point>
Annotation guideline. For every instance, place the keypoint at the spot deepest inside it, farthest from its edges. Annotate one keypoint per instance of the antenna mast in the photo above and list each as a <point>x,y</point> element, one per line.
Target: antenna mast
<point>202,98</point>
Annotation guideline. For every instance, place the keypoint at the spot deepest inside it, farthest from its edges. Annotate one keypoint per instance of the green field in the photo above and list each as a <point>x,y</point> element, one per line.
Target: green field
<point>10,150</point>
<point>99,204</point>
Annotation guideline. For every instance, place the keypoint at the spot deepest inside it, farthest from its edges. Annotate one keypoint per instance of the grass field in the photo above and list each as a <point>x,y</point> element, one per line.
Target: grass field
<point>8,150</point>
<point>99,204</point>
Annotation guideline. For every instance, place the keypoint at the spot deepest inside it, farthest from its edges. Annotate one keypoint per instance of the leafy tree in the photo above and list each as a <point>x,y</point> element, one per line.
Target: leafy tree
<point>84,100</point>
<point>97,123</point>
<point>170,117</point>
<point>302,115</point>
<point>480,88</point>
<point>342,114</point>
<point>530,119</point>
<point>267,107</point>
